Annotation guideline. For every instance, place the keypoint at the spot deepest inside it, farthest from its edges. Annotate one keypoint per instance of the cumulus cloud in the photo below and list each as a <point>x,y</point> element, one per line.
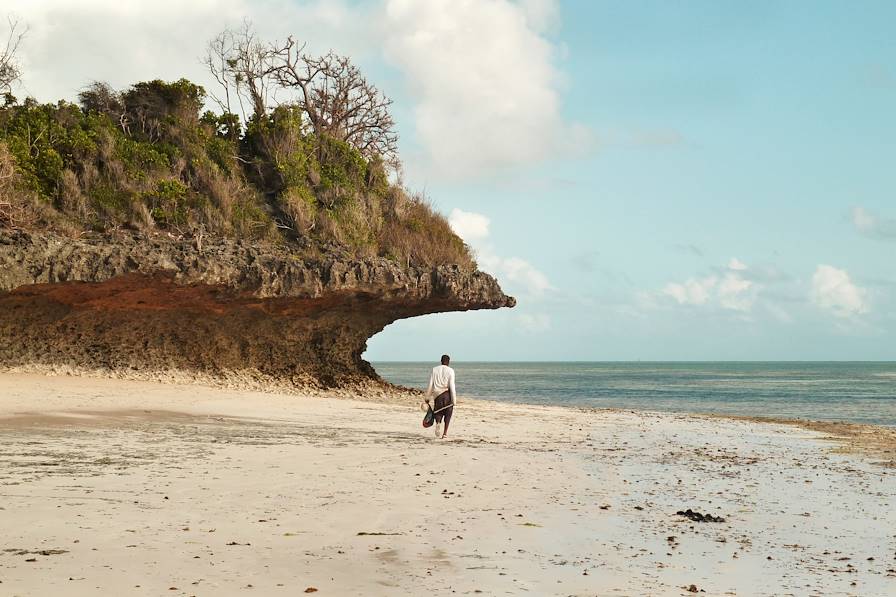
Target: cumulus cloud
<point>541,15</point>
<point>691,292</point>
<point>470,226</point>
<point>752,292</point>
<point>873,225</point>
<point>519,271</point>
<point>834,291</point>
<point>484,79</point>
<point>484,87</point>
<point>474,229</point>
<point>732,290</point>
<point>737,265</point>
<point>70,44</point>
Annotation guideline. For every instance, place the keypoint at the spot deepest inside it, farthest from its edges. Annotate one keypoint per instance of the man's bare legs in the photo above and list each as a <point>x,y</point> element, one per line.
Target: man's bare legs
<point>447,420</point>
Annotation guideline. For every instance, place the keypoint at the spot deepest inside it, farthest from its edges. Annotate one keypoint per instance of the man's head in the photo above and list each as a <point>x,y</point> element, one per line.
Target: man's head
<point>445,359</point>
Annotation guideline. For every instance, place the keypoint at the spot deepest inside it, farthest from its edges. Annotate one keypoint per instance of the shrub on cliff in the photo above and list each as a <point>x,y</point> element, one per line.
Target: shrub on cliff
<point>20,208</point>
<point>148,159</point>
<point>134,160</point>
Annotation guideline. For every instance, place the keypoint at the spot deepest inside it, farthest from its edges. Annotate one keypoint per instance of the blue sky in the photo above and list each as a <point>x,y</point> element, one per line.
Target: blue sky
<point>652,180</point>
<point>747,131</point>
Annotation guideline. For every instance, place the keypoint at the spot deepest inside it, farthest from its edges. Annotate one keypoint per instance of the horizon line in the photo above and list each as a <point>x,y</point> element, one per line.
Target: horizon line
<point>883,361</point>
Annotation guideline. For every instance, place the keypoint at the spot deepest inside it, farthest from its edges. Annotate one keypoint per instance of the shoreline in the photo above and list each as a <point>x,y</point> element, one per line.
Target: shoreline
<point>878,441</point>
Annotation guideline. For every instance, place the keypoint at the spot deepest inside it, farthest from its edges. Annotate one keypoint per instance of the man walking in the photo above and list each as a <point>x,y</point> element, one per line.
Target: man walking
<point>441,383</point>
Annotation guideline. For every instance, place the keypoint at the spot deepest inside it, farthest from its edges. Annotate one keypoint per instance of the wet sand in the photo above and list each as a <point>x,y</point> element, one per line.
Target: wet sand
<point>135,488</point>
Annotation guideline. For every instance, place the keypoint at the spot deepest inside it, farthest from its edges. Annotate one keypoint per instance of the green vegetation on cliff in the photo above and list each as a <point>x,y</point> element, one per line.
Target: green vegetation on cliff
<point>149,159</point>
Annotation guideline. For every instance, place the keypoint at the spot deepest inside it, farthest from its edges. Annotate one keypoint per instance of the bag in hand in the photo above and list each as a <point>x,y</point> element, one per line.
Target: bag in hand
<point>430,417</point>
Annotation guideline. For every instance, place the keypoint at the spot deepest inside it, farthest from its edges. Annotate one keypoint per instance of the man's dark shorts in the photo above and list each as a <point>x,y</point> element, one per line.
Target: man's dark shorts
<point>443,400</point>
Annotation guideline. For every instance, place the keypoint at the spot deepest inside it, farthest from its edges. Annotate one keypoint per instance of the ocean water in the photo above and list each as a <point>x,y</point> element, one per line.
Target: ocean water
<point>838,391</point>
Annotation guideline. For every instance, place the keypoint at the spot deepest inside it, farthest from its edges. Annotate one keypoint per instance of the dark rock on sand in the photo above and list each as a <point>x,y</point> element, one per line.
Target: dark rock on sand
<point>697,517</point>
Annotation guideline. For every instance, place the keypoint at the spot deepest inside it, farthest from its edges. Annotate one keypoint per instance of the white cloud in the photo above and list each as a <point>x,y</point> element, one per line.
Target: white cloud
<point>736,264</point>
<point>834,291</point>
<point>484,86</point>
<point>474,229</point>
<point>735,292</point>
<point>470,226</point>
<point>522,272</point>
<point>872,225</point>
<point>70,44</point>
<point>484,79</point>
<point>691,292</point>
<point>541,15</point>
<point>731,291</point>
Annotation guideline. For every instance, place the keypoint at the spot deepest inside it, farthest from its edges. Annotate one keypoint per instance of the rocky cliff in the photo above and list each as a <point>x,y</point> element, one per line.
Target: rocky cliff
<point>126,305</point>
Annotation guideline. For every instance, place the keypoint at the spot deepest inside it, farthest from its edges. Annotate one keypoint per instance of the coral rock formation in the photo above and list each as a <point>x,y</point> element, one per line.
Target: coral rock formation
<point>126,304</point>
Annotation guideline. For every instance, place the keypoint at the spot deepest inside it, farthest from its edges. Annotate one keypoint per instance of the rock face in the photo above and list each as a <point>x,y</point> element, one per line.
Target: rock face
<point>129,304</point>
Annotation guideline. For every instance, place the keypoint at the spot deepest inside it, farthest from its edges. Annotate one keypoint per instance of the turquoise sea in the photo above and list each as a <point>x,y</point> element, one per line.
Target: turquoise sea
<point>840,391</point>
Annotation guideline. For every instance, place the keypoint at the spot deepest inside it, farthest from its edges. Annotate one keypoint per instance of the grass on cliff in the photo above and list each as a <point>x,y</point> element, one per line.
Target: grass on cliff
<point>148,159</point>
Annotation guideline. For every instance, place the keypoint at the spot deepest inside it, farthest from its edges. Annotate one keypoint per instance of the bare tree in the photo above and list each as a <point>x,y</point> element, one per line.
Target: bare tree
<point>10,71</point>
<point>332,94</point>
<point>338,101</point>
<point>244,68</point>
<point>14,203</point>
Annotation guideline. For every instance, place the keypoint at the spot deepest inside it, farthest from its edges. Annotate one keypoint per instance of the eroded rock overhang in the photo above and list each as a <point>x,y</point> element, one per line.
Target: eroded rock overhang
<point>129,304</point>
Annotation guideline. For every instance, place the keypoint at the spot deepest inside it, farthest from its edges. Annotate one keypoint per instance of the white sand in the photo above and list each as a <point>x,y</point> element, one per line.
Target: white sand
<point>157,489</point>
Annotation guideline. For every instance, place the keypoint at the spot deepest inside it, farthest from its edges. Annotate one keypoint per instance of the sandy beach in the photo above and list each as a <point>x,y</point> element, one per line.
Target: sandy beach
<point>111,487</point>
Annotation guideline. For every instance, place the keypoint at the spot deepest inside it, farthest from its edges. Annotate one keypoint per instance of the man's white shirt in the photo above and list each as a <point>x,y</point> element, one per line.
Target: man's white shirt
<point>442,380</point>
